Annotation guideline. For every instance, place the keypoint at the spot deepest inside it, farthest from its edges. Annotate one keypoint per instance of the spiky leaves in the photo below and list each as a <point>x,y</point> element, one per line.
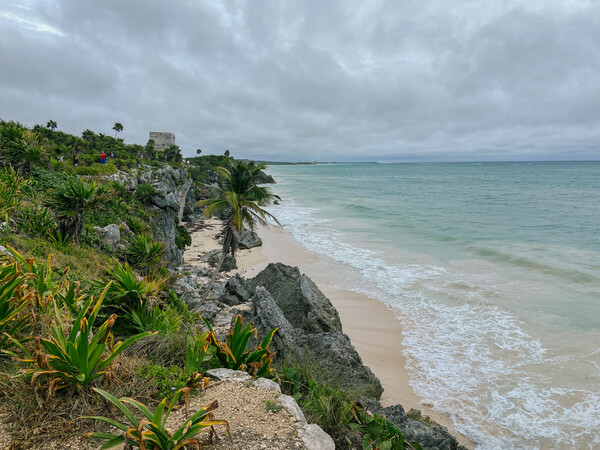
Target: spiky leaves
<point>150,432</point>
<point>73,354</point>
<point>234,352</point>
<point>74,199</point>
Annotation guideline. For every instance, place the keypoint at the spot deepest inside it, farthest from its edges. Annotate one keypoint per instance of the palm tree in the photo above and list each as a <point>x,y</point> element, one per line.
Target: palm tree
<point>241,196</point>
<point>74,199</point>
<point>51,125</point>
<point>118,128</point>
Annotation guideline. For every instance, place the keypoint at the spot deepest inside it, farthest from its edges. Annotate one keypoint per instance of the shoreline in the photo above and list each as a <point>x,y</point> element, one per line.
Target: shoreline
<point>375,332</point>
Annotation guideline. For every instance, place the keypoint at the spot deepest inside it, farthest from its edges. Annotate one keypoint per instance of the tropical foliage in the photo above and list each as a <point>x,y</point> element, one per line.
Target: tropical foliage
<point>73,354</point>
<point>234,352</point>
<point>150,432</point>
<point>243,199</point>
<point>73,200</point>
<point>129,291</point>
<point>145,254</point>
<point>13,301</point>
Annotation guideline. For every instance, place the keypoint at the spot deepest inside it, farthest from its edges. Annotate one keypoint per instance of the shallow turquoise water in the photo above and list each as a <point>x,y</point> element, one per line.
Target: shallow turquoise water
<point>495,271</point>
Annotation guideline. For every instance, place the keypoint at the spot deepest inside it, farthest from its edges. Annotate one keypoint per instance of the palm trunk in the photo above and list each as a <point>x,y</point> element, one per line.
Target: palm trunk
<point>213,278</point>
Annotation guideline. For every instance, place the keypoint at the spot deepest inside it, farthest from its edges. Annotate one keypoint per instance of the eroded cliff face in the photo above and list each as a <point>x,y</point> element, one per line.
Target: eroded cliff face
<point>172,187</point>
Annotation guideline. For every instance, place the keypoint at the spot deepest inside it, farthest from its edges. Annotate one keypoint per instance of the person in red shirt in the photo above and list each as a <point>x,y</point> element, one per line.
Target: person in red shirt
<point>102,158</point>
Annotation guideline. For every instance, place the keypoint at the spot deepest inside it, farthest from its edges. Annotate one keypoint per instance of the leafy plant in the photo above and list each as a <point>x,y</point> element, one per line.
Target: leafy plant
<point>13,299</point>
<point>145,254</point>
<point>11,190</point>
<point>168,380</point>
<point>198,352</point>
<point>150,432</point>
<point>144,192</point>
<point>379,434</point>
<point>35,221</point>
<point>129,291</point>
<point>74,199</point>
<point>162,320</point>
<point>73,354</point>
<point>234,352</point>
<point>182,238</point>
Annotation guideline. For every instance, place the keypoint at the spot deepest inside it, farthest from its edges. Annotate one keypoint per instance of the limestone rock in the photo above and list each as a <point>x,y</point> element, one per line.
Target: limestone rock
<point>332,350</point>
<point>249,239</point>
<point>290,405</point>
<point>301,301</point>
<point>228,375</point>
<point>265,383</point>
<point>212,257</point>
<point>110,234</point>
<point>315,438</point>
<point>430,437</point>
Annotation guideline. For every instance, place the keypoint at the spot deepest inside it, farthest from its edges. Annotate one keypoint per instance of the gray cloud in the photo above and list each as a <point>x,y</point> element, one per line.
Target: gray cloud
<point>377,80</point>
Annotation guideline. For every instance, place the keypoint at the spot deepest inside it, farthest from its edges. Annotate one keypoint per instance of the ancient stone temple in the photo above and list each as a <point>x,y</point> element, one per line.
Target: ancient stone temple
<point>162,139</point>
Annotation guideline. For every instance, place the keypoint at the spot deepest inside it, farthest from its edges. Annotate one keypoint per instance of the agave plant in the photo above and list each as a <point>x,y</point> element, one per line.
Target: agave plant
<point>13,300</point>
<point>145,254</point>
<point>129,290</point>
<point>234,352</point>
<point>73,354</point>
<point>150,432</point>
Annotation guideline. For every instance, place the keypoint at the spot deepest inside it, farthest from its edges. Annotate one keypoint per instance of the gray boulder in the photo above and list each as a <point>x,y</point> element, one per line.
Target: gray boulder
<point>315,438</point>
<point>301,301</point>
<point>213,257</point>
<point>431,437</point>
<point>249,239</point>
<point>110,234</point>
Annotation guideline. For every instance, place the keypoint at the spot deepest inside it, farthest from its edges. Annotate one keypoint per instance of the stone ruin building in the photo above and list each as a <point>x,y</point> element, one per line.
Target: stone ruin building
<point>162,139</point>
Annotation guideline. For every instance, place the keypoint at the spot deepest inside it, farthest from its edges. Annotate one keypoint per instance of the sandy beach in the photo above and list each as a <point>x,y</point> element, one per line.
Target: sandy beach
<point>371,325</point>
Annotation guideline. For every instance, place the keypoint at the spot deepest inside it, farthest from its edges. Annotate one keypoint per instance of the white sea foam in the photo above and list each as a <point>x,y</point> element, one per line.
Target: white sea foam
<point>466,354</point>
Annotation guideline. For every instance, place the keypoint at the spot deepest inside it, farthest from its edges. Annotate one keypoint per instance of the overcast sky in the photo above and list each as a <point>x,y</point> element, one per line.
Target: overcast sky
<point>397,80</point>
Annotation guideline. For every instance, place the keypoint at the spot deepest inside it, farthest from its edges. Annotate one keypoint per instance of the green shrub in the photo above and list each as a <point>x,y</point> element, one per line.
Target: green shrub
<point>145,254</point>
<point>129,291</point>
<point>144,192</point>
<point>182,238</point>
<point>167,379</point>
<point>36,221</point>
<point>13,300</point>
<point>142,318</point>
<point>12,186</point>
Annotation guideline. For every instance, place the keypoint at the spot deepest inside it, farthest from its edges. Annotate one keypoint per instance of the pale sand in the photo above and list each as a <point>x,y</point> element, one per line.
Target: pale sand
<point>372,327</point>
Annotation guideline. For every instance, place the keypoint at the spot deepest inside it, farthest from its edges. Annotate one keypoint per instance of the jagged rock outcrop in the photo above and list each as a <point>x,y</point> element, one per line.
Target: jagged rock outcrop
<point>301,301</point>
<point>172,186</point>
<point>331,349</point>
<point>430,437</point>
<point>213,257</point>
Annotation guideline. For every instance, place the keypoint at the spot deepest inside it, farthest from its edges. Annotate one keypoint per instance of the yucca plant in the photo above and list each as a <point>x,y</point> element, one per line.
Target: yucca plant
<point>234,352</point>
<point>129,290</point>
<point>150,432</point>
<point>145,254</point>
<point>74,199</point>
<point>13,300</point>
<point>73,354</point>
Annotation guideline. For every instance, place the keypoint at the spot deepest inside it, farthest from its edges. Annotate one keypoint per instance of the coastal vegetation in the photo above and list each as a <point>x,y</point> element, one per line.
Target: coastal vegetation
<point>88,314</point>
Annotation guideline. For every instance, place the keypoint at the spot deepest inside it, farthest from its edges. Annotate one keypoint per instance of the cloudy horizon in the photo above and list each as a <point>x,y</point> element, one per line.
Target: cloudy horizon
<point>303,81</point>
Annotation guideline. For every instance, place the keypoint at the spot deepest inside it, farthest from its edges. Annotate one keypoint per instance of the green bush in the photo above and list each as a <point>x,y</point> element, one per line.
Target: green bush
<point>145,254</point>
<point>182,238</point>
<point>36,221</point>
<point>144,192</point>
<point>167,379</point>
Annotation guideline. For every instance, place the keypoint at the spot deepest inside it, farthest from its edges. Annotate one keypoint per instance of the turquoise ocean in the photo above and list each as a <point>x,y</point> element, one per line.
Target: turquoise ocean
<point>493,270</point>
